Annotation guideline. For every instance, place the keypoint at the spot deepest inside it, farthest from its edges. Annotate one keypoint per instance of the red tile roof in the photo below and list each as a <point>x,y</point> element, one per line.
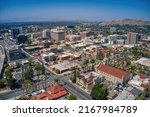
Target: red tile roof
<point>112,71</point>
<point>52,93</point>
<point>41,96</point>
<point>55,89</point>
<point>144,85</point>
<point>59,94</point>
<point>89,80</point>
<point>142,76</point>
<point>103,51</point>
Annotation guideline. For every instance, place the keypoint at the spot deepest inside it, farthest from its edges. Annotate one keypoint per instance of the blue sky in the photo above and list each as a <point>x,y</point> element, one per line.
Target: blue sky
<point>64,10</point>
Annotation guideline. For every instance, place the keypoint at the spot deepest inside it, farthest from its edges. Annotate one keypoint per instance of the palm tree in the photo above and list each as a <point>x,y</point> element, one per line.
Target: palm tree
<point>38,69</point>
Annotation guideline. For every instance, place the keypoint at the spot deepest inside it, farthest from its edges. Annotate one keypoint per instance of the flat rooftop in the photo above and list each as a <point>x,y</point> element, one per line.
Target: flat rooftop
<point>143,61</point>
<point>57,31</point>
<point>125,95</point>
<point>64,65</point>
<point>13,47</point>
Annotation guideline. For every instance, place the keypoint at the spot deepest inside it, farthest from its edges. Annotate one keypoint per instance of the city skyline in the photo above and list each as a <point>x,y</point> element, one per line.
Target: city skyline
<point>65,10</point>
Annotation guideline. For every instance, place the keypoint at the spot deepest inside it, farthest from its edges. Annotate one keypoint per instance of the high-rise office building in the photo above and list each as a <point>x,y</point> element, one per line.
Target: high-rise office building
<point>57,35</point>
<point>14,52</point>
<point>46,33</point>
<point>21,38</point>
<point>15,32</point>
<point>133,38</point>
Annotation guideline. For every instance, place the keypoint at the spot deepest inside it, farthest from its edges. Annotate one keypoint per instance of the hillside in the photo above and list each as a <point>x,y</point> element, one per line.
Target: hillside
<point>126,21</point>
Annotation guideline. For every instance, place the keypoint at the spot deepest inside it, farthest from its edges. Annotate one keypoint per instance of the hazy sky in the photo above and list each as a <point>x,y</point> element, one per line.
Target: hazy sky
<point>60,10</point>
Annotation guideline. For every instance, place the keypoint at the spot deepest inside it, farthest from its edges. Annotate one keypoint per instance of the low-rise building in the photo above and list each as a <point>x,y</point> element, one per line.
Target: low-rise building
<point>128,93</point>
<point>91,48</point>
<point>45,43</point>
<point>89,79</point>
<point>79,45</point>
<point>143,61</point>
<point>134,91</point>
<point>140,82</point>
<point>52,93</point>
<point>63,57</point>
<point>113,74</point>
<point>125,95</point>
<point>62,67</point>
<point>48,57</point>
<point>86,34</point>
<point>48,50</point>
<point>112,94</point>
<point>73,37</point>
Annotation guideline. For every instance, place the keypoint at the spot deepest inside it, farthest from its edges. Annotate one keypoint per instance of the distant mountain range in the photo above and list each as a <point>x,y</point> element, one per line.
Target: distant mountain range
<point>126,22</point>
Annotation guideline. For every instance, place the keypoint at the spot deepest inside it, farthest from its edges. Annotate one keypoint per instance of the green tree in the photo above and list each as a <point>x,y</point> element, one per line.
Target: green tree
<point>23,97</point>
<point>73,79</point>
<point>26,84</point>
<point>76,74</point>
<point>108,55</point>
<point>57,71</point>
<point>56,80</point>
<point>85,62</point>
<point>100,56</point>
<point>30,62</point>
<point>72,97</point>
<point>128,62</point>
<point>93,61</point>
<point>99,92</point>
<point>141,97</point>
<point>38,68</point>
<point>27,74</point>
<point>8,71</point>
<point>2,83</point>
<point>12,83</point>
<point>133,68</point>
<point>145,94</point>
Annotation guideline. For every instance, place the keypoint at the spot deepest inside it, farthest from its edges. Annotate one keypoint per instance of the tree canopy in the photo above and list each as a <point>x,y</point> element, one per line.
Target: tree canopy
<point>72,97</point>
<point>2,83</point>
<point>99,92</point>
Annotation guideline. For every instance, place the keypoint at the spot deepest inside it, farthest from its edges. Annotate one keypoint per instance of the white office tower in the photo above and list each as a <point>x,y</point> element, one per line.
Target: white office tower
<point>46,33</point>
